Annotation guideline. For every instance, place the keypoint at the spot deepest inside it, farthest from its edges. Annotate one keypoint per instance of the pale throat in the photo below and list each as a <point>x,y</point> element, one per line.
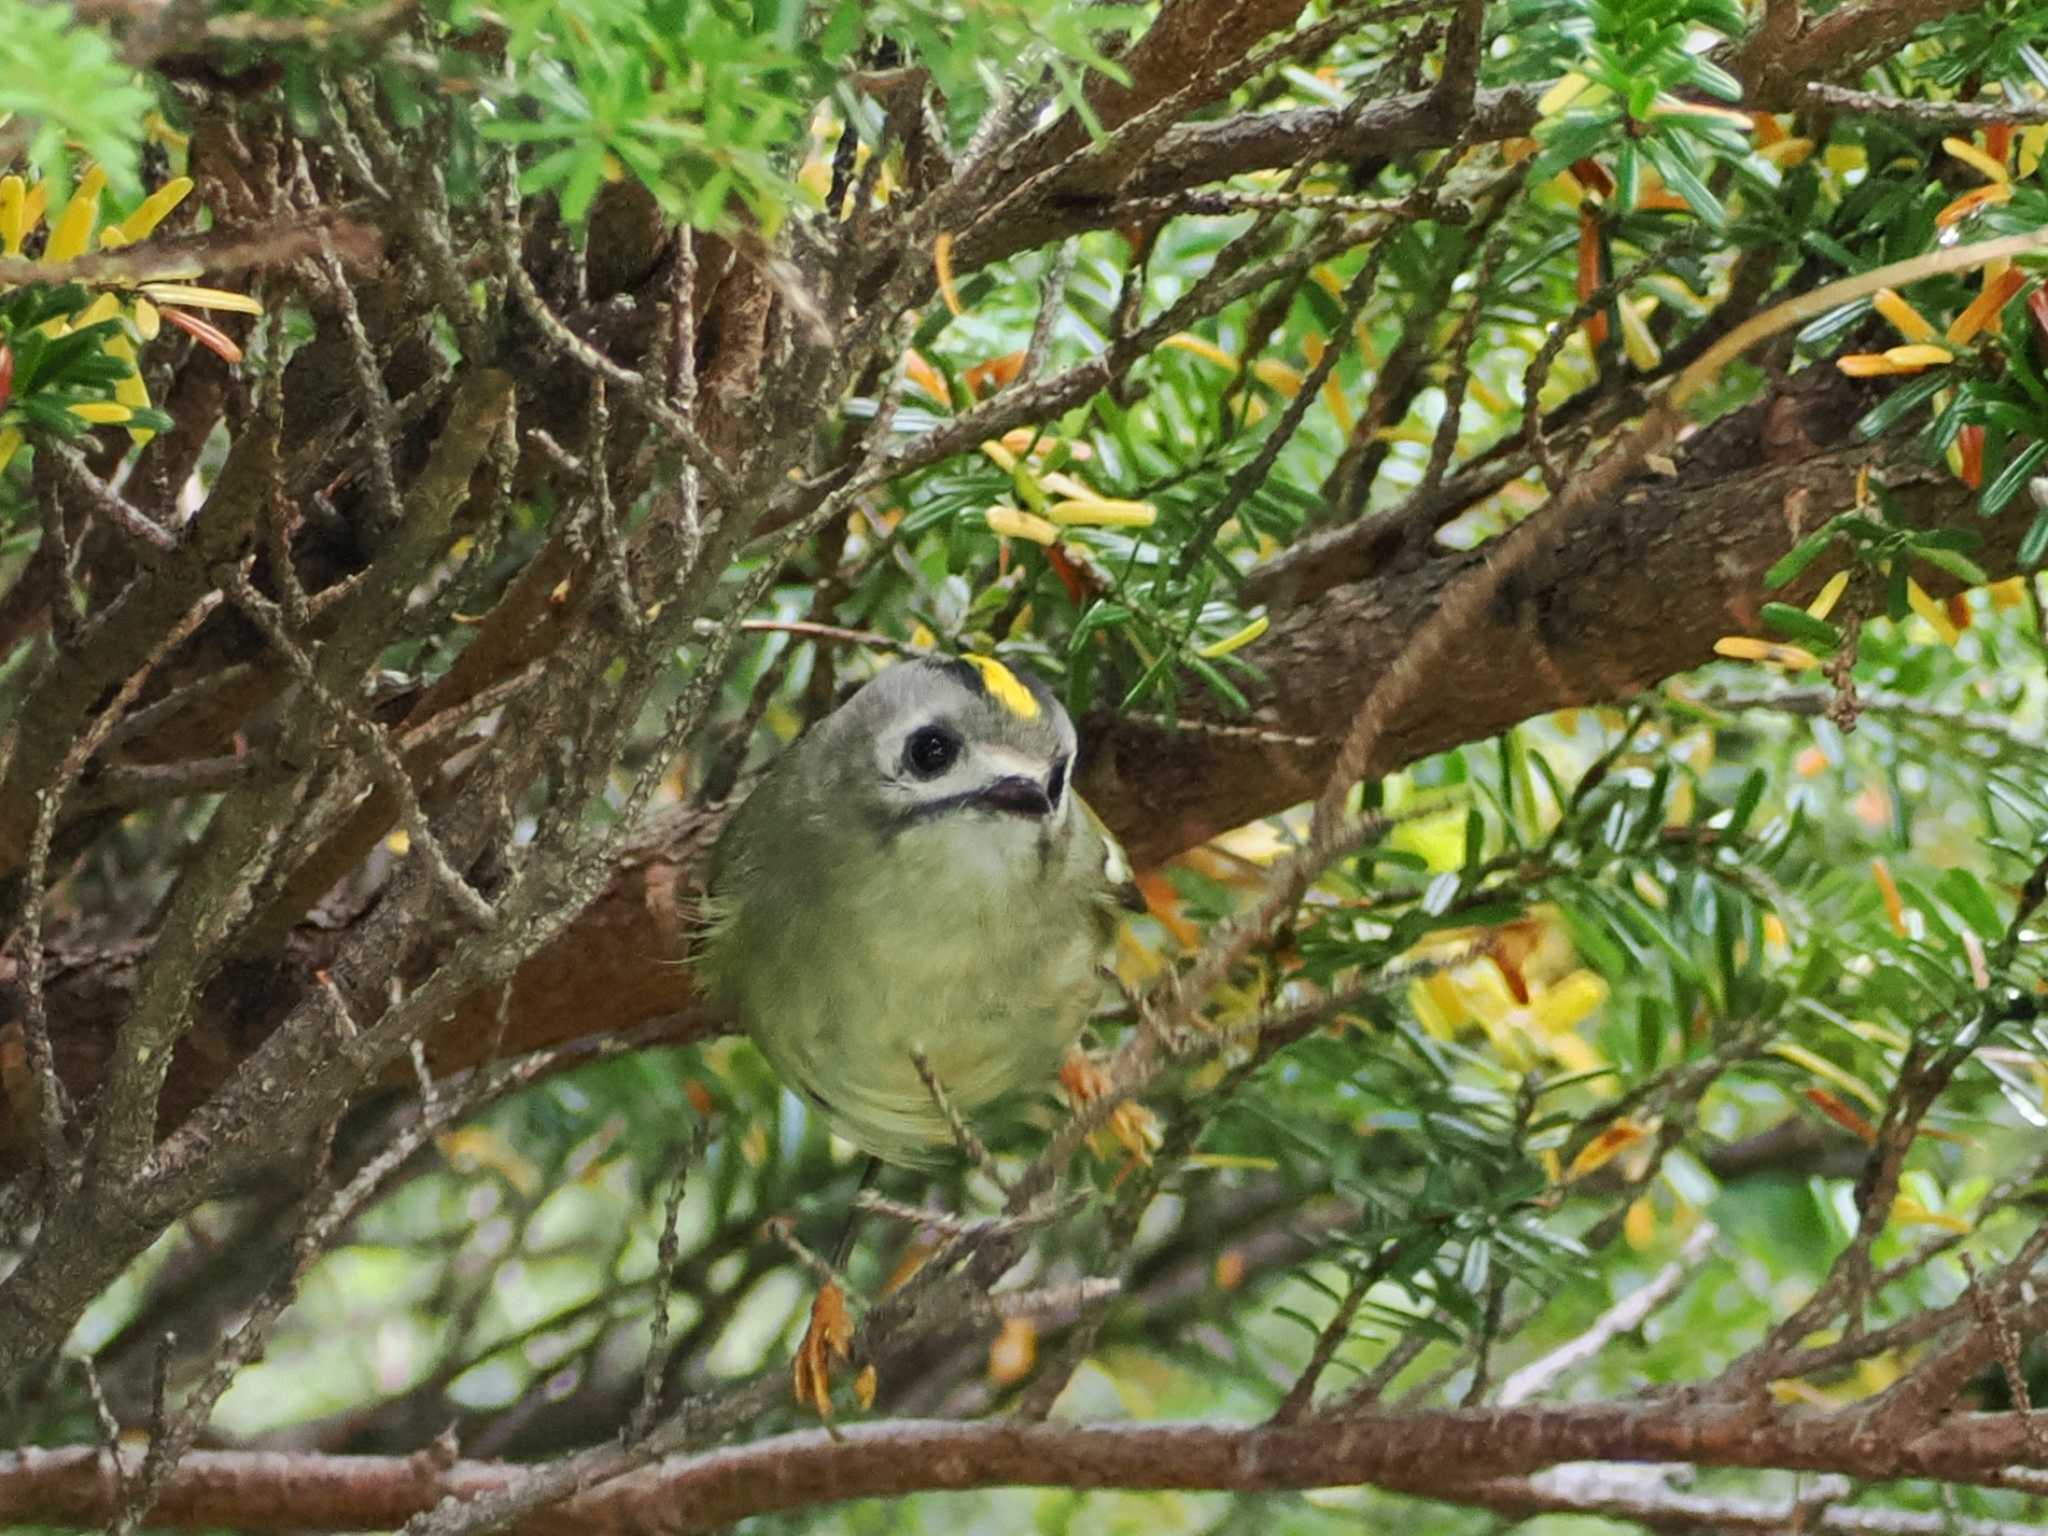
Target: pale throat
<point>973,857</point>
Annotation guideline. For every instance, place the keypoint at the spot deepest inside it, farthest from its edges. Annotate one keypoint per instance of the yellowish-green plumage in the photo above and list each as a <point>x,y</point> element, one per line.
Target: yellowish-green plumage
<point>867,903</point>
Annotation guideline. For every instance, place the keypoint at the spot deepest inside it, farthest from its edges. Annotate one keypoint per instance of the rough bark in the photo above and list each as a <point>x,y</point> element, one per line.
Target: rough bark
<point>1446,1454</point>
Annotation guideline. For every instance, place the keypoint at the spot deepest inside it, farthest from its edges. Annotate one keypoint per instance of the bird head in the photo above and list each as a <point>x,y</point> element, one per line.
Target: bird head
<point>960,737</point>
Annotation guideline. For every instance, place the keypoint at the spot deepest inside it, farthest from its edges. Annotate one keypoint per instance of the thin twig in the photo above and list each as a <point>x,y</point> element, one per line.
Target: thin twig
<point>154,538</point>
<point>1932,116</point>
<point>655,1366</point>
<point>971,1146</point>
<point>1052,300</point>
<point>328,1210</point>
<point>421,210</point>
<point>378,416</point>
<point>1445,444</point>
<point>1335,1333</point>
<point>375,745</point>
<point>638,390</point>
<point>53,1110</point>
<point>277,245</point>
<point>1625,1316</point>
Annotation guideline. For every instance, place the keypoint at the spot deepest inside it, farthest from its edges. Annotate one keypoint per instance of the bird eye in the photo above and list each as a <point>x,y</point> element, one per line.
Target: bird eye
<point>931,750</point>
<point>1057,784</point>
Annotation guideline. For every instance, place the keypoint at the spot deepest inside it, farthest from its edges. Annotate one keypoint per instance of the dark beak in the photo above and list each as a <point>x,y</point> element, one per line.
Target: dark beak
<point>1017,796</point>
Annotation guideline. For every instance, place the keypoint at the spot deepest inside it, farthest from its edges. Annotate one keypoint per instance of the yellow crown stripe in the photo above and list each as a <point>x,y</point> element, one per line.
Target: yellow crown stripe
<point>1004,686</point>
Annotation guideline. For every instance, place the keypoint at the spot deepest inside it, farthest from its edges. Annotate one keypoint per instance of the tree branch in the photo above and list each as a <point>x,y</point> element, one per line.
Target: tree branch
<point>1638,591</point>
<point>1625,1316</point>
<point>280,1492</point>
<point>1645,1500</point>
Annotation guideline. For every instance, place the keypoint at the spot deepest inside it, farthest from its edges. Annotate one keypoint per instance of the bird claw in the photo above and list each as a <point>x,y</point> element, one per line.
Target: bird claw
<point>828,1339</point>
<point>1131,1124</point>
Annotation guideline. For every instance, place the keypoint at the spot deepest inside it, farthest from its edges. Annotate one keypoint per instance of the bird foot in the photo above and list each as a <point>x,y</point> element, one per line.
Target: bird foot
<point>1130,1123</point>
<point>828,1337</point>
<point>828,1341</point>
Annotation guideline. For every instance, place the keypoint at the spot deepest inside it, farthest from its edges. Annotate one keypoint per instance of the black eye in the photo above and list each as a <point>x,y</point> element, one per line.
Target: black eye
<point>1057,784</point>
<point>931,750</point>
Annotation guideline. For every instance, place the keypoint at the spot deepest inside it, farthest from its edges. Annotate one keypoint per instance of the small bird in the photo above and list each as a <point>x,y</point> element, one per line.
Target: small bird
<point>917,876</point>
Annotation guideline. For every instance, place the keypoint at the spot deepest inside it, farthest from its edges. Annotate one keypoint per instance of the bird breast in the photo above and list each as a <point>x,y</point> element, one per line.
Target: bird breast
<point>972,939</point>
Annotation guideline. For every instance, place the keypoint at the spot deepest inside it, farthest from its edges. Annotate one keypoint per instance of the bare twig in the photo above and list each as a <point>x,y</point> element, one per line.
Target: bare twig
<point>421,208</point>
<point>971,1146</point>
<point>152,536</point>
<point>1609,1493</point>
<point>665,1253</point>
<point>2005,1342</point>
<point>375,745</point>
<point>1051,301</point>
<point>638,390</point>
<point>378,417</point>
<point>1625,1316</point>
<point>1332,1338</point>
<point>53,1111</point>
<point>1932,116</point>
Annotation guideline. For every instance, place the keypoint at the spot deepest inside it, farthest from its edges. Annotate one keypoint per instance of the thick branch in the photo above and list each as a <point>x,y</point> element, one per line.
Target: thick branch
<point>257,1491</point>
<point>1638,591</point>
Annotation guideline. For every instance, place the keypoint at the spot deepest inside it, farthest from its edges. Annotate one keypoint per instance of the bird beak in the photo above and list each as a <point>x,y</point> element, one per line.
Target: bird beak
<point>1016,795</point>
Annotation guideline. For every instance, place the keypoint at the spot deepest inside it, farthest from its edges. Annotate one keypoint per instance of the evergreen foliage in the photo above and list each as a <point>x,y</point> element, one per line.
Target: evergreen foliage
<point>596,390</point>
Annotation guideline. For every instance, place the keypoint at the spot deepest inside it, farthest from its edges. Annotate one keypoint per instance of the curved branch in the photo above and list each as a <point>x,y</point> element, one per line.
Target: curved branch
<point>1451,1455</point>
